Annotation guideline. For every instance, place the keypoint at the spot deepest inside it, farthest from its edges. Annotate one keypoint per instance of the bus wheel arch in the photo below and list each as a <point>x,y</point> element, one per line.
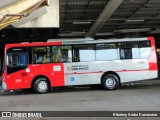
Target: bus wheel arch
<point>111,77</point>
<point>44,81</point>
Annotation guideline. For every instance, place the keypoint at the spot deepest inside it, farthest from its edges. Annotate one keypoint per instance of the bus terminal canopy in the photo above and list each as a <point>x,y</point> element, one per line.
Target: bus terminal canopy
<point>18,10</point>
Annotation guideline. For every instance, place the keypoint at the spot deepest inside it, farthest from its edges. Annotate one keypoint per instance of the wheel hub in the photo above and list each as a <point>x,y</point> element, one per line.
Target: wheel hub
<point>110,82</point>
<point>42,86</point>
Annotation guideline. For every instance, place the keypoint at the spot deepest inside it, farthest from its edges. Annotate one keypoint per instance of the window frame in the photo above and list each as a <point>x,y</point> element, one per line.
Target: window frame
<point>18,65</point>
<point>145,47</point>
<point>120,48</point>
<point>50,47</point>
<point>63,46</point>
<point>94,45</point>
<point>116,45</point>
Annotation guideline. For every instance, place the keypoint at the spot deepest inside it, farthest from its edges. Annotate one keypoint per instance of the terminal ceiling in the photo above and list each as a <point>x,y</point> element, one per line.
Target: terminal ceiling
<point>96,18</point>
<point>124,18</point>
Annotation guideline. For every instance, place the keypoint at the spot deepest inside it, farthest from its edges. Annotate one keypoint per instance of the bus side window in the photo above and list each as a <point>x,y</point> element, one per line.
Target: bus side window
<point>129,50</point>
<point>107,51</point>
<point>54,53</point>
<point>61,54</point>
<point>126,53</point>
<point>66,53</point>
<point>39,55</point>
<point>145,49</point>
<point>76,54</point>
<point>84,53</point>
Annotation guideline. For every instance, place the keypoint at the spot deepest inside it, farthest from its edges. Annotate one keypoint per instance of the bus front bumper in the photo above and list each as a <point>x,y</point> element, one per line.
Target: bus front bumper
<point>4,86</point>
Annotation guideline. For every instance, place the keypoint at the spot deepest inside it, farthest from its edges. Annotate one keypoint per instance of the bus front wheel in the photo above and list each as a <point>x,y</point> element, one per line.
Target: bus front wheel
<point>41,85</point>
<point>110,82</point>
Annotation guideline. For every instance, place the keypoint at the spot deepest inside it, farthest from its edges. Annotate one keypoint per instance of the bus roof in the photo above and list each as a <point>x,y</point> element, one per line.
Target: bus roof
<point>71,39</point>
<point>74,42</point>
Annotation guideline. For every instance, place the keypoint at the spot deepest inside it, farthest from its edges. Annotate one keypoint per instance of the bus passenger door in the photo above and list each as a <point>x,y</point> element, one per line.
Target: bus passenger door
<point>58,74</point>
<point>60,56</point>
<point>17,62</point>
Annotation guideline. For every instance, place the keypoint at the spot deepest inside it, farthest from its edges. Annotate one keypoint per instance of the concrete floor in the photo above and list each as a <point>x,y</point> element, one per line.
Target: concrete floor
<point>140,96</point>
<point>135,97</point>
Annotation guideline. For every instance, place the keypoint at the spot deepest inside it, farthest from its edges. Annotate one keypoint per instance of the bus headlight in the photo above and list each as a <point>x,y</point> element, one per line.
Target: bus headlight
<point>4,86</point>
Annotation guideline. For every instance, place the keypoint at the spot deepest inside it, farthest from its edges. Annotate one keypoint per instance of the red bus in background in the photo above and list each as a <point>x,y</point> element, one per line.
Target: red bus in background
<point>44,65</point>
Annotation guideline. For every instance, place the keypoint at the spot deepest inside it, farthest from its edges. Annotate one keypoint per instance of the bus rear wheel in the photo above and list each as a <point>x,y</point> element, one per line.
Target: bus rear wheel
<point>110,82</point>
<point>41,85</point>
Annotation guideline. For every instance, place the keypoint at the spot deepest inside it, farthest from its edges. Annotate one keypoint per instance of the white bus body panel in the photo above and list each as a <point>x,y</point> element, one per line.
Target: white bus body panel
<point>91,72</point>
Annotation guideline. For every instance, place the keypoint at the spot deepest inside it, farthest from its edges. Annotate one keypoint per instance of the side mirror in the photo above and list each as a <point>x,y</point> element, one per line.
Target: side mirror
<point>7,63</point>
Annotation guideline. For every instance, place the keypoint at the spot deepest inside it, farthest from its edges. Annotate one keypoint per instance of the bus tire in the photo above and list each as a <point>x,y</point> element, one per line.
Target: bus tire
<point>41,85</point>
<point>110,82</point>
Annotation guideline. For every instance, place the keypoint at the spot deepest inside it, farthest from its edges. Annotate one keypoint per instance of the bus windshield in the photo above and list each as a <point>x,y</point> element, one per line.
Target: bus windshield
<point>18,59</point>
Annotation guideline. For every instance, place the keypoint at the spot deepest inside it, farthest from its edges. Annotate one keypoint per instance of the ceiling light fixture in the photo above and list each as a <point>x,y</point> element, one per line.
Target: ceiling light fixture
<point>157,31</point>
<point>72,34</point>
<point>81,22</point>
<point>105,34</point>
<point>133,30</point>
<point>135,20</point>
<point>77,32</point>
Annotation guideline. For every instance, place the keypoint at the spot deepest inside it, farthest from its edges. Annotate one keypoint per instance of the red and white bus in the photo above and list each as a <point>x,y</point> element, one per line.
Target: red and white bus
<point>44,65</point>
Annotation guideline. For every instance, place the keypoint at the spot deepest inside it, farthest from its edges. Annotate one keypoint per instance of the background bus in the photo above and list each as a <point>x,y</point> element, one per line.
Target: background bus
<point>43,65</point>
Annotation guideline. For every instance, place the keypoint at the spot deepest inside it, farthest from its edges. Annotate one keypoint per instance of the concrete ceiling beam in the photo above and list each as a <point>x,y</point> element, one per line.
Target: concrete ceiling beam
<point>18,10</point>
<point>37,13</point>
<point>109,9</point>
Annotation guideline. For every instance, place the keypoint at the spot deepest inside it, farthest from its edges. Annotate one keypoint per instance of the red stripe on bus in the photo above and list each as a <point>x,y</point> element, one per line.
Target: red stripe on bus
<point>153,57</point>
<point>83,73</point>
<point>105,71</point>
<point>132,70</point>
<point>57,43</point>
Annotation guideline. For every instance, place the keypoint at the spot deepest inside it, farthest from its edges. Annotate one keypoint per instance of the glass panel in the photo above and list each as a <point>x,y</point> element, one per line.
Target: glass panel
<point>127,45</point>
<point>129,50</point>
<point>145,52</point>
<point>40,49</point>
<point>145,49</point>
<point>87,55</point>
<point>106,52</point>
<point>55,54</point>
<point>61,54</point>
<point>126,53</point>
<point>135,53</point>
<point>41,55</point>
<point>143,44</point>
<point>17,59</point>
<point>84,53</point>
